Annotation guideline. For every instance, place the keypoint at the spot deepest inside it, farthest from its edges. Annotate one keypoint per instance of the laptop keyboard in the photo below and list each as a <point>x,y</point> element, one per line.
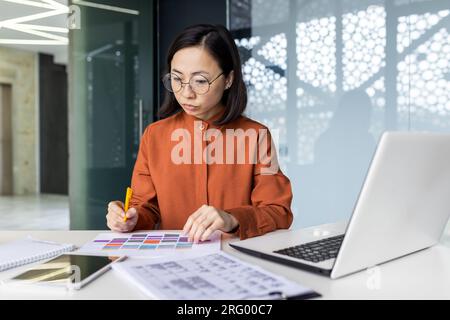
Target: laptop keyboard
<point>315,251</point>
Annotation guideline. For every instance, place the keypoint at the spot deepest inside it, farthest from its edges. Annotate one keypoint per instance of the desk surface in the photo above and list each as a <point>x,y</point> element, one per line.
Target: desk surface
<point>422,275</point>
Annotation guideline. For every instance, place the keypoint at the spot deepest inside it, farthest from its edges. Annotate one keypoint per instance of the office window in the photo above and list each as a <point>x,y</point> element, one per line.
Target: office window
<point>329,76</point>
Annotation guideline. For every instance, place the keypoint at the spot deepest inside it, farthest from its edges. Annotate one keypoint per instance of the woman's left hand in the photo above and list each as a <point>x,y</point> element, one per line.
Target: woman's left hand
<point>206,220</point>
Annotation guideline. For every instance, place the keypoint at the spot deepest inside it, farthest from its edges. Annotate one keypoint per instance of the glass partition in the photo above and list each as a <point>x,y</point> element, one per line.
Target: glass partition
<point>329,76</point>
<point>111,85</point>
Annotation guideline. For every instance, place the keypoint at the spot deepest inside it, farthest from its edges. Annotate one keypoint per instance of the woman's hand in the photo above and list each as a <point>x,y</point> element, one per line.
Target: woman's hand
<point>115,217</point>
<point>206,220</point>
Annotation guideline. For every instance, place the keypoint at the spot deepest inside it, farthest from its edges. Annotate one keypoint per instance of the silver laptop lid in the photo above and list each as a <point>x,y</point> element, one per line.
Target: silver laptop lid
<point>404,203</point>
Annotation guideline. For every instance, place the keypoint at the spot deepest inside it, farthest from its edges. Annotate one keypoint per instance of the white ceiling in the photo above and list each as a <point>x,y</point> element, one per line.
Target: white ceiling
<point>11,9</point>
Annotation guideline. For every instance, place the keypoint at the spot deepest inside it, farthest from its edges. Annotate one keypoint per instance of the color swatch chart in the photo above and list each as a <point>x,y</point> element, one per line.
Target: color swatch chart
<point>148,243</point>
<point>143,241</point>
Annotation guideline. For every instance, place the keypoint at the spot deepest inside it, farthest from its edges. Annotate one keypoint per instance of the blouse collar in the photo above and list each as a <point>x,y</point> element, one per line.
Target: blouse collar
<point>209,122</point>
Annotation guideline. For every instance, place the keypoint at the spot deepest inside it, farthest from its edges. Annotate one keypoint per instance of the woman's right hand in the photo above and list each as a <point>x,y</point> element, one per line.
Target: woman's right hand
<point>115,217</point>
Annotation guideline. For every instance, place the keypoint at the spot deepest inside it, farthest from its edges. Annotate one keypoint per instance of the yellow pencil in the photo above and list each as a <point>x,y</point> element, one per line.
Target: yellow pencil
<point>127,202</point>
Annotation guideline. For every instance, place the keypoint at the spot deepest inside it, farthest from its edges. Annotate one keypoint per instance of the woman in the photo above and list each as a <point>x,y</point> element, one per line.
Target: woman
<point>186,176</point>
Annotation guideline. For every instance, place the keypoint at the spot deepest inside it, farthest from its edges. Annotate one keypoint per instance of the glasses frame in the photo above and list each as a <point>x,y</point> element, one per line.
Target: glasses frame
<point>169,75</point>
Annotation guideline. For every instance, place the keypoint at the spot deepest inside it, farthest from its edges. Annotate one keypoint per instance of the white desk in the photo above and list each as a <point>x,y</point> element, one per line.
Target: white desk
<point>423,275</point>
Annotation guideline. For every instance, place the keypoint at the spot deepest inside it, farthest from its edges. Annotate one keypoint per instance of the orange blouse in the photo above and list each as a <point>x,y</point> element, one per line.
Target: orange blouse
<point>170,182</point>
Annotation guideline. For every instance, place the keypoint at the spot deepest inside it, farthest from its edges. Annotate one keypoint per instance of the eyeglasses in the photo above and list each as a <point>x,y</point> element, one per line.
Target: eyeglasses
<point>198,83</point>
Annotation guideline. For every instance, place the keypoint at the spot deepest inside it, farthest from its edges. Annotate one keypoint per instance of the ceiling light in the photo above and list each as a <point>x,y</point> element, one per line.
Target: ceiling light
<point>105,7</point>
<point>41,31</point>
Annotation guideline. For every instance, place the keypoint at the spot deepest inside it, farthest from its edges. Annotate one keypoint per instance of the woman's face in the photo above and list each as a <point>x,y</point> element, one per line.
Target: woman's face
<point>192,61</point>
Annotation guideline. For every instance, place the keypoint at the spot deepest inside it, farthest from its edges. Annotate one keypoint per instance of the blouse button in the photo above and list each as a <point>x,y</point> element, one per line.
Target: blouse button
<point>201,126</point>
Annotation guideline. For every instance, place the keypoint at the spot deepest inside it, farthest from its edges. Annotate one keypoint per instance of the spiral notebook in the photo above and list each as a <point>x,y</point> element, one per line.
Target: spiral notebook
<point>24,251</point>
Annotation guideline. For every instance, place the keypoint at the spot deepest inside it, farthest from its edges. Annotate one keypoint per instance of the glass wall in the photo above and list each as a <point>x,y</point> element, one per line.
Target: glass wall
<point>110,102</point>
<point>329,76</point>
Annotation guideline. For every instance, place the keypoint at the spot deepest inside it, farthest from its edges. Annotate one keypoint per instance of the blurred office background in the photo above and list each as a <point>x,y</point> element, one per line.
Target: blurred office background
<point>79,81</point>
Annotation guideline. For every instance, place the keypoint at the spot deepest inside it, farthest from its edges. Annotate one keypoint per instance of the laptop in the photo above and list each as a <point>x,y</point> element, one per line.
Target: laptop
<point>403,207</point>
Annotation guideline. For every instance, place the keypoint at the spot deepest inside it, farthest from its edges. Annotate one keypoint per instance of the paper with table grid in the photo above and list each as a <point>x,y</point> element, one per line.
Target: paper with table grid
<point>212,276</point>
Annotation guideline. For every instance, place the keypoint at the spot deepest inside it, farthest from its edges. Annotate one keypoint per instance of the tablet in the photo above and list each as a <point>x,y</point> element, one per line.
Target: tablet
<point>71,271</point>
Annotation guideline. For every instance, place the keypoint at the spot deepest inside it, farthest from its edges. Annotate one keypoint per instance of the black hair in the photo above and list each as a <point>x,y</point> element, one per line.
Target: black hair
<point>220,44</point>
